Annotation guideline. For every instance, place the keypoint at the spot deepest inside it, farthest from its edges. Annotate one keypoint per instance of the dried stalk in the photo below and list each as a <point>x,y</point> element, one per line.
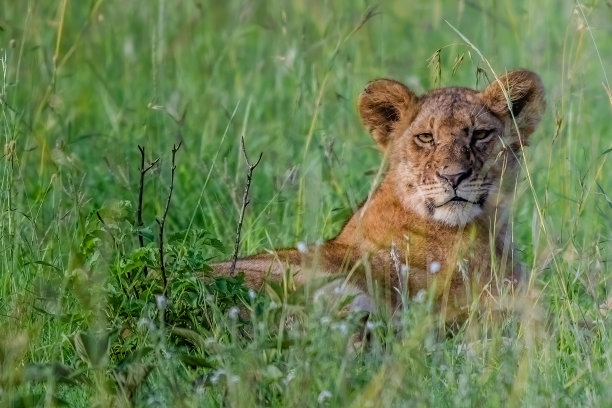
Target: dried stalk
<point>162,222</point>
<point>245,202</point>
<point>139,221</point>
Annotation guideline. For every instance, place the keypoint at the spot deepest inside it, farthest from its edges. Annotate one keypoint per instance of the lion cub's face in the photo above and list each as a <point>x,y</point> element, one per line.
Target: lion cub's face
<point>444,161</point>
<point>450,148</point>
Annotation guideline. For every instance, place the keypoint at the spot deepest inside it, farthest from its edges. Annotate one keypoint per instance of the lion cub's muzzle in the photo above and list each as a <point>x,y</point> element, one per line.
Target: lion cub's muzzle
<point>454,176</point>
<point>457,185</point>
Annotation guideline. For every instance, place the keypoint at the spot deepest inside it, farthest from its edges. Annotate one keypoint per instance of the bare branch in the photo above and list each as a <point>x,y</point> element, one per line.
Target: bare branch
<point>245,202</point>
<point>143,171</point>
<point>162,222</point>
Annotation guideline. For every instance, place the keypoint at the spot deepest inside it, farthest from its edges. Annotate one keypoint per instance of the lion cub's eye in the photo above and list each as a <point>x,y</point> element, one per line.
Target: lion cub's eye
<point>481,134</point>
<point>425,137</point>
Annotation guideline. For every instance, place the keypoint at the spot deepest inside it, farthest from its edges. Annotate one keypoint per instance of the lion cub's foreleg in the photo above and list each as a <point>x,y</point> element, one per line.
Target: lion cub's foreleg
<point>263,267</point>
<point>327,262</point>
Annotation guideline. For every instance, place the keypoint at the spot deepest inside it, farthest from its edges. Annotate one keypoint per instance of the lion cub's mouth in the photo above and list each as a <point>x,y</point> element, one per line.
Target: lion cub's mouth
<point>457,198</point>
<point>460,200</point>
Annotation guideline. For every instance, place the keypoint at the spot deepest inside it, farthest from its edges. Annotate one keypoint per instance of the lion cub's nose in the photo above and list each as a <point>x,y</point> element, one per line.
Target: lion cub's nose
<point>454,177</point>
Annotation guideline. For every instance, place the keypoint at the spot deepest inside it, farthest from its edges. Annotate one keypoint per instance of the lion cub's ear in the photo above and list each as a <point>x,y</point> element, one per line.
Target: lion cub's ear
<point>526,96</point>
<point>384,104</point>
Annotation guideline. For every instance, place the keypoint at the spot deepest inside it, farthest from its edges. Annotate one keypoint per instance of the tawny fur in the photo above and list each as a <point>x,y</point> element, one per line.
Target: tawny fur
<point>437,222</point>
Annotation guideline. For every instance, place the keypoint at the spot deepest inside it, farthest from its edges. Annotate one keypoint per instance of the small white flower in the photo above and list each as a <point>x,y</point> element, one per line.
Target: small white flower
<point>161,302</point>
<point>405,270</point>
<point>362,303</point>
<point>128,48</point>
<point>420,296</point>
<point>302,247</point>
<point>146,323</point>
<point>434,267</point>
<point>252,294</point>
<point>372,325</point>
<point>337,290</point>
<point>289,57</point>
<point>324,396</point>
<point>233,312</point>
<point>290,376</point>
<point>467,348</point>
<point>325,320</point>
<point>155,400</point>
<point>340,326</point>
<point>216,376</point>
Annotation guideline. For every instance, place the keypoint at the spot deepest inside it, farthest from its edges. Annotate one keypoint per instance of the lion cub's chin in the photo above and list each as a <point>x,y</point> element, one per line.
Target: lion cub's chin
<point>456,214</point>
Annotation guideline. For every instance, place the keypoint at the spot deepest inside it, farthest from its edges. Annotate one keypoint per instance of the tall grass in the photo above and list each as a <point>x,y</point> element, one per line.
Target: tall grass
<point>84,82</point>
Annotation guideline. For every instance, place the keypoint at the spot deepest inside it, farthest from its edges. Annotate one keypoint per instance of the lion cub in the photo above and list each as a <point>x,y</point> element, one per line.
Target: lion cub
<point>436,222</point>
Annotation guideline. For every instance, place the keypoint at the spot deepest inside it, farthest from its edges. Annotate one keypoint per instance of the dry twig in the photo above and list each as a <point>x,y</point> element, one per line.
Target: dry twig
<point>162,222</point>
<point>245,202</point>
<point>143,171</point>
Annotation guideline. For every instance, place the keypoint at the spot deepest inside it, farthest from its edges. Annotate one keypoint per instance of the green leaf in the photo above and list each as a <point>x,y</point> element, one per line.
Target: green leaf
<point>340,215</point>
<point>59,372</point>
<point>134,357</point>
<point>191,336</point>
<point>272,373</point>
<point>116,210</point>
<point>215,243</point>
<point>195,361</point>
<point>92,348</point>
<point>43,263</point>
<point>32,400</point>
<point>146,232</point>
<point>131,376</point>
<point>221,284</point>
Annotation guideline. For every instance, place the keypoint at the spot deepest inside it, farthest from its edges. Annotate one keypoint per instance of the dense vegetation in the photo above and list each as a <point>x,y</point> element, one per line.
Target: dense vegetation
<point>85,320</point>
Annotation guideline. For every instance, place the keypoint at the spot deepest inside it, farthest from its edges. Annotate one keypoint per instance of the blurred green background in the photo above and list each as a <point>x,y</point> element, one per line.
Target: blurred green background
<point>85,82</point>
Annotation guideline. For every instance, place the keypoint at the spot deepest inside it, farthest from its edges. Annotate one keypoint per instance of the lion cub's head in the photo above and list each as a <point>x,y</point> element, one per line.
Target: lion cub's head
<point>450,149</point>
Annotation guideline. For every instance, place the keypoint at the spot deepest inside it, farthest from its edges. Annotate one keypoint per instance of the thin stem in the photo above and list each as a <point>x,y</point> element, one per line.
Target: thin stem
<point>162,222</point>
<point>139,221</point>
<point>245,202</point>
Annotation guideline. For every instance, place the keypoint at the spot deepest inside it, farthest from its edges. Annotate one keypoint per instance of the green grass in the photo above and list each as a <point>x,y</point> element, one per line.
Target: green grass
<point>84,82</point>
